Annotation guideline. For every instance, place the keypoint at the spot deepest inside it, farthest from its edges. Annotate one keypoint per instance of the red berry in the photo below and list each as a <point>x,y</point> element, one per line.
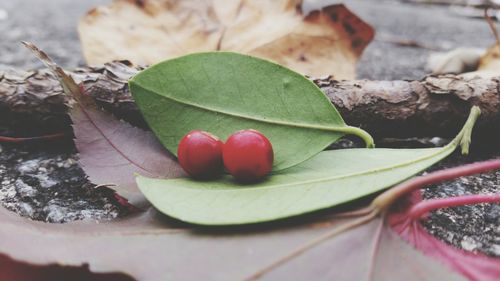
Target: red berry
<point>248,155</point>
<point>200,154</point>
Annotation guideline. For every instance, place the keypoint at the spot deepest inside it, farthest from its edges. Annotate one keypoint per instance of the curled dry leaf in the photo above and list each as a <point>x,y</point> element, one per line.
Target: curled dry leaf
<point>323,42</point>
<point>469,62</point>
<point>458,60</point>
<point>489,64</point>
<point>472,62</point>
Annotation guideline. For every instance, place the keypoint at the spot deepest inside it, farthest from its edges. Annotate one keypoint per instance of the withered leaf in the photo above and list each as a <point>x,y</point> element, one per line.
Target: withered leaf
<point>111,150</point>
<point>21,271</point>
<point>489,64</point>
<point>149,248</point>
<point>475,266</point>
<point>323,42</point>
<point>468,62</point>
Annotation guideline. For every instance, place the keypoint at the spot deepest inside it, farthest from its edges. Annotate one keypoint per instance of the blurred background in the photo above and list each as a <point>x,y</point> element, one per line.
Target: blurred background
<point>406,32</point>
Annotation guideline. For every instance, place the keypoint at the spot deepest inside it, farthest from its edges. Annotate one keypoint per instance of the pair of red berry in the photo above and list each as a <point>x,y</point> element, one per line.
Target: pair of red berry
<point>247,155</point>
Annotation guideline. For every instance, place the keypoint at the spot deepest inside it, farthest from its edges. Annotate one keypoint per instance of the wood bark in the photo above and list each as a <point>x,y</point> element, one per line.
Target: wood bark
<point>33,102</point>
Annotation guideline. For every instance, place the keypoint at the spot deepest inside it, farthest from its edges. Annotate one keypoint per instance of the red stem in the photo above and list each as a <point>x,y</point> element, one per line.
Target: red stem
<point>423,207</point>
<point>386,199</point>
<point>20,140</point>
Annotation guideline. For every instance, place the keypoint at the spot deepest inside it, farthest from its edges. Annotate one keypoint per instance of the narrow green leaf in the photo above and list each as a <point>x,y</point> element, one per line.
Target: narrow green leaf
<point>329,179</point>
<point>225,92</point>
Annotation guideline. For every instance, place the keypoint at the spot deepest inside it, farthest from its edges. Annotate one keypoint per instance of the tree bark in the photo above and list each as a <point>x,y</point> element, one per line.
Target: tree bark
<point>33,102</point>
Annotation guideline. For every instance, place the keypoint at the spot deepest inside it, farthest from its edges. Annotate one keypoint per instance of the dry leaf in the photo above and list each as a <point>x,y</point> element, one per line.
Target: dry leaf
<point>323,42</point>
<point>489,64</point>
<point>479,63</point>
<point>455,61</point>
<point>112,151</point>
<point>12,270</point>
<point>475,266</point>
<point>148,247</point>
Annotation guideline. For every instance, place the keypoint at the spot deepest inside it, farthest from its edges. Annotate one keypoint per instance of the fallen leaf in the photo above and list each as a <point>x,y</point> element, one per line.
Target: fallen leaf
<point>327,41</point>
<point>471,62</point>
<point>110,150</point>
<point>147,248</point>
<point>468,62</point>
<point>370,251</point>
<point>223,92</point>
<point>13,270</point>
<point>489,64</point>
<point>456,61</point>
<point>475,266</point>
<point>329,179</point>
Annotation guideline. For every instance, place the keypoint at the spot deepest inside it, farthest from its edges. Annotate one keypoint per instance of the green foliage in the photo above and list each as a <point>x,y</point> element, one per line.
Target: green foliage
<point>329,179</point>
<point>224,92</point>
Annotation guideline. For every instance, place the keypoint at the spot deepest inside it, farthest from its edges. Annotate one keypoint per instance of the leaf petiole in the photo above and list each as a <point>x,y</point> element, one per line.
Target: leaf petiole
<point>423,207</point>
<point>464,137</point>
<point>56,136</point>
<point>367,138</point>
<point>386,199</point>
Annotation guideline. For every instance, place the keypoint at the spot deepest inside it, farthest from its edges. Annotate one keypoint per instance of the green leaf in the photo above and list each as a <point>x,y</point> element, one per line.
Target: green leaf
<point>329,179</point>
<point>224,92</point>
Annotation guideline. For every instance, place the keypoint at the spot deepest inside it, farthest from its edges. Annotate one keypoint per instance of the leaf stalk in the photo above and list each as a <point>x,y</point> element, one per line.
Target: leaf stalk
<point>386,199</point>
<point>56,136</point>
<point>367,138</point>
<point>422,208</point>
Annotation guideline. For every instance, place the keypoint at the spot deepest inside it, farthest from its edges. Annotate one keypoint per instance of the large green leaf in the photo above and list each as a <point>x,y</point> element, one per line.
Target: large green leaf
<point>329,179</point>
<point>224,92</point>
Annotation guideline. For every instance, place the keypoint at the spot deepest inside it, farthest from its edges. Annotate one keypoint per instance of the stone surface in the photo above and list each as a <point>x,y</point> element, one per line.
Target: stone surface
<point>45,182</point>
<point>51,25</point>
<point>474,228</point>
<point>434,26</point>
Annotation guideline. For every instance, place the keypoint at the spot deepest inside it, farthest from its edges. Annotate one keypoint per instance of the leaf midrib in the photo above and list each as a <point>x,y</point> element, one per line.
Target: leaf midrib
<point>108,140</point>
<point>439,151</point>
<point>344,128</point>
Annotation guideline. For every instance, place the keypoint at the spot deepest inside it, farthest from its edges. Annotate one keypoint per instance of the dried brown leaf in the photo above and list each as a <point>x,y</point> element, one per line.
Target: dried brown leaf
<point>489,64</point>
<point>322,42</point>
<point>470,62</point>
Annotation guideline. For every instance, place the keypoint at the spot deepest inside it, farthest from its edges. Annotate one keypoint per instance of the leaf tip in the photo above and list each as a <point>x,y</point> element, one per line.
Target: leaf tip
<point>69,85</point>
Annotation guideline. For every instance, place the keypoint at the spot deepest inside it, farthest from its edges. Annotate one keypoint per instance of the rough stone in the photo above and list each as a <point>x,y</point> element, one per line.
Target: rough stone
<point>473,228</point>
<point>46,183</point>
